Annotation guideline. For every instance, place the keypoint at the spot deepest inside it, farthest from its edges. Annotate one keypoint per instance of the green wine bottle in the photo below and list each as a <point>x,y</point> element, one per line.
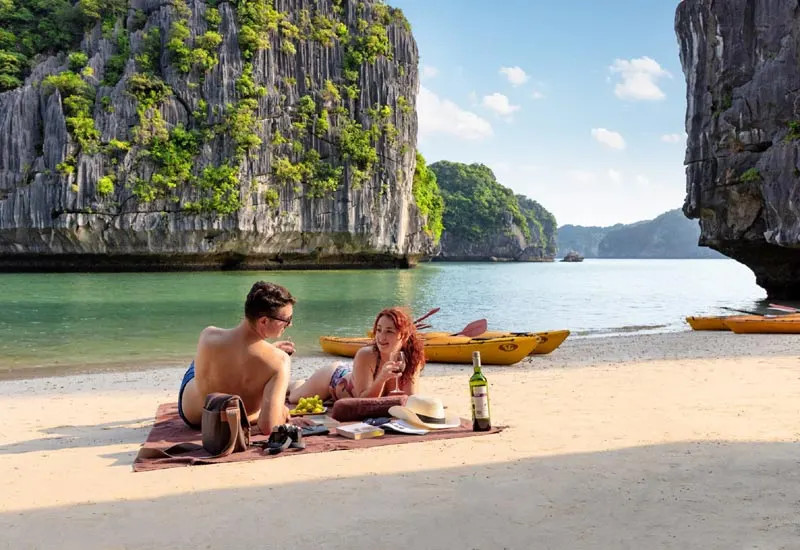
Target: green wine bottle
<point>479,393</point>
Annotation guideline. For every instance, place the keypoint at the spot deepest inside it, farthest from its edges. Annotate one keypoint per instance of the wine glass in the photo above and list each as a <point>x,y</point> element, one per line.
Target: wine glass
<point>398,357</point>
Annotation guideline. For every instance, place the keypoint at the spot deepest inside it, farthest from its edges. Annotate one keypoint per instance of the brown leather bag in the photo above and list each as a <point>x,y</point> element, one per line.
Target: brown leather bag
<point>225,430</point>
<point>224,425</point>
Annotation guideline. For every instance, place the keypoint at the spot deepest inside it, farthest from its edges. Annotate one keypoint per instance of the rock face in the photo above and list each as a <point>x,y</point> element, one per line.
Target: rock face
<point>485,221</point>
<point>293,146</point>
<point>509,245</point>
<point>740,60</point>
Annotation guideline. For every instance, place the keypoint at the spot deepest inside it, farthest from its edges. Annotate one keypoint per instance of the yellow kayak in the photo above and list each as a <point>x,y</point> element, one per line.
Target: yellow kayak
<point>449,349</point>
<point>720,322</point>
<point>712,323</point>
<point>783,325</point>
<point>548,341</point>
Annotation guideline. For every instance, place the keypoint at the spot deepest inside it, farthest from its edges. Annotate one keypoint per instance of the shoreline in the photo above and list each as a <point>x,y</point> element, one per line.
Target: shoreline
<point>649,333</point>
<point>577,350</point>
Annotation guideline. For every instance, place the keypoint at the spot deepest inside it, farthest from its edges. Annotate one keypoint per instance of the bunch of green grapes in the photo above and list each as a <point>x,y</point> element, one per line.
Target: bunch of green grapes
<point>308,405</point>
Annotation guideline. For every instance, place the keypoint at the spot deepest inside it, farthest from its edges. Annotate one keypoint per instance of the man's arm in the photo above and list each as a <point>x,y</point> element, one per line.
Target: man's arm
<point>273,401</point>
<point>285,345</point>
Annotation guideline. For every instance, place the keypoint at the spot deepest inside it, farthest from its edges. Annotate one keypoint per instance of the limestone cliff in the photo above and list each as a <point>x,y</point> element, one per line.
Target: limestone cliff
<point>190,134</point>
<point>485,221</point>
<point>740,60</point>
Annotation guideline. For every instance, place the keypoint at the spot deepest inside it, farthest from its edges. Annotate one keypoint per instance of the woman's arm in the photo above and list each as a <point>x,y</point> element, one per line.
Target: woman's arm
<point>367,383</point>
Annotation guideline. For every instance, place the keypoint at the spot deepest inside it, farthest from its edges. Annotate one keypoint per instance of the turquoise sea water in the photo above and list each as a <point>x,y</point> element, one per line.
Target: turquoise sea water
<point>95,320</point>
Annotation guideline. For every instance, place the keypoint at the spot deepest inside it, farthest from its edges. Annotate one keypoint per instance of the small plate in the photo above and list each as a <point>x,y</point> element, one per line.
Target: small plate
<point>324,410</point>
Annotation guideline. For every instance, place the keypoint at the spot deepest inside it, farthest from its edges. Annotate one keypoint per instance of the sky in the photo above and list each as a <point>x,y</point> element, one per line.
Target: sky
<point>578,105</point>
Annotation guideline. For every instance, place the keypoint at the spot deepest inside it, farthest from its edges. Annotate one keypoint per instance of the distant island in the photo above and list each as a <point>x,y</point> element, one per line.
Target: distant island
<point>670,235</point>
<point>486,221</point>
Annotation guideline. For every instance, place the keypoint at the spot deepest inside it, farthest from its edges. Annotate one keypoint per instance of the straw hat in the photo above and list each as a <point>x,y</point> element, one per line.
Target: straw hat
<point>427,412</point>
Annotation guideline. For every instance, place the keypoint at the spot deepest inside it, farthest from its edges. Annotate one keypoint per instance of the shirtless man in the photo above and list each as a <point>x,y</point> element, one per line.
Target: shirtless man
<point>239,361</point>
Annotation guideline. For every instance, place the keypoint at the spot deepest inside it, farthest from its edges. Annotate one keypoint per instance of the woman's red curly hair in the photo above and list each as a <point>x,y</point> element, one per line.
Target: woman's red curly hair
<point>412,342</point>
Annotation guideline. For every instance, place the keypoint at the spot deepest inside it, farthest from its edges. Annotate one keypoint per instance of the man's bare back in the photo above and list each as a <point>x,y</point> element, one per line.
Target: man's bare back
<point>239,361</point>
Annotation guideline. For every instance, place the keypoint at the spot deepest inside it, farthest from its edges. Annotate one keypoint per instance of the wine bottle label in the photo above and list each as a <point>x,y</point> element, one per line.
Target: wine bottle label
<point>480,402</point>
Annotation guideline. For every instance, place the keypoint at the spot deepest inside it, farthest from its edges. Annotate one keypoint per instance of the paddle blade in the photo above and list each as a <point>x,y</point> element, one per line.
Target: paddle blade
<point>431,312</point>
<point>783,308</point>
<point>475,328</point>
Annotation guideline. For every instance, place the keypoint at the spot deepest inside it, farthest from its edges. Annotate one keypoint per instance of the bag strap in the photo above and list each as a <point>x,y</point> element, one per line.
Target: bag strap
<point>231,416</point>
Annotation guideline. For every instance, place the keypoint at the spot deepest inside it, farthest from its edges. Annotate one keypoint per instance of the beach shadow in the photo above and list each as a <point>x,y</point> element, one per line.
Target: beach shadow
<point>710,495</point>
<point>123,458</point>
<point>93,435</point>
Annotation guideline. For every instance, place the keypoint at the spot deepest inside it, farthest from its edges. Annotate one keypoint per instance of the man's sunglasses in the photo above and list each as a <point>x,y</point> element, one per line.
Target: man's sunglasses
<point>287,321</point>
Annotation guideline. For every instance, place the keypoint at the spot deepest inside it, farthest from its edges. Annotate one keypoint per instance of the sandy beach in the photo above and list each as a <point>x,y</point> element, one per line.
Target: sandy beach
<point>684,440</point>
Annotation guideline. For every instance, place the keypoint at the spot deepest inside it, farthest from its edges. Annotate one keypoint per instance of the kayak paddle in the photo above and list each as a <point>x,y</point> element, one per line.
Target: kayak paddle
<point>787,309</point>
<point>431,312</point>
<point>473,329</point>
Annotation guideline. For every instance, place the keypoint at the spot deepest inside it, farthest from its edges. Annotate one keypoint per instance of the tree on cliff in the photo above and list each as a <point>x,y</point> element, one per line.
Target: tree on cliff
<point>477,207</point>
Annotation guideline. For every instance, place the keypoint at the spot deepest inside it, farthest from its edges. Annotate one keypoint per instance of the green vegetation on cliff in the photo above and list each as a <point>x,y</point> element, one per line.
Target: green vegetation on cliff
<point>477,207</point>
<point>475,204</point>
<point>32,27</point>
<point>428,198</point>
<point>542,224</point>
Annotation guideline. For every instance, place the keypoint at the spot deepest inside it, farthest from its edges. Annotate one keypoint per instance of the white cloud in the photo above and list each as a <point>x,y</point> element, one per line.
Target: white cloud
<point>614,176</point>
<point>643,181</point>
<point>499,104</point>
<point>582,176</point>
<point>473,98</point>
<point>671,138</point>
<point>608,138</point>
<point>429,71</point>
<point>639,78</point>
<point>515,75</point>
<point>537,95</point>
<point>442,116</point>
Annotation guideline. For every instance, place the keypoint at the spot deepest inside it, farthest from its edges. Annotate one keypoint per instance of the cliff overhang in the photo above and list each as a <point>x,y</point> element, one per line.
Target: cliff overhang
<point>740,60</point>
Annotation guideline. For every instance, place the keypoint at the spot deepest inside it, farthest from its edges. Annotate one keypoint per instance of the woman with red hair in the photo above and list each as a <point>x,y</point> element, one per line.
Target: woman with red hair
<point>378,368</point>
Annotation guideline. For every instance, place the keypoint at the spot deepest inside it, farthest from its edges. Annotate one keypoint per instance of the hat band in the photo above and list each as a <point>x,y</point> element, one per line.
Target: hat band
<point>430,419</point>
